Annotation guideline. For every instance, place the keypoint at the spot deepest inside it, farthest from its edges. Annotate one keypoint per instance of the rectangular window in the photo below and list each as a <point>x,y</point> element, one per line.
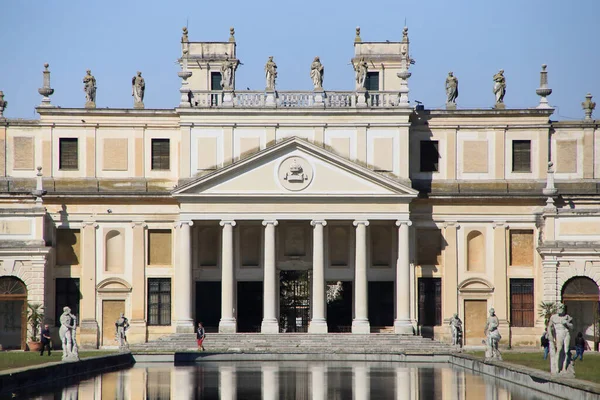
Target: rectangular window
<point>215,81</point>
<point>521,302</point>
<point>429,156</point>
<point>159,301</point>
<point>161,151</point>
<point>430,301</point>
<point>67,294</point>
<point>521,156</point>
<point>67,154</point>
<point>372,81</point>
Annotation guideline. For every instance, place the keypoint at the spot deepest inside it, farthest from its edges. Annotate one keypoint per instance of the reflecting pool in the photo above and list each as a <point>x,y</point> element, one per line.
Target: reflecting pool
<point>294,380</point>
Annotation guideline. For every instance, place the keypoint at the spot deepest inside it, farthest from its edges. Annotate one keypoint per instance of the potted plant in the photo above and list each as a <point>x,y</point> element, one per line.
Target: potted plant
<point>35,318</point>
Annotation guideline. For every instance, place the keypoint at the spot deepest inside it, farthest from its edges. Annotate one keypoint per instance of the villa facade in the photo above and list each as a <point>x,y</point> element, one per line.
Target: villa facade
<point>317,211</point>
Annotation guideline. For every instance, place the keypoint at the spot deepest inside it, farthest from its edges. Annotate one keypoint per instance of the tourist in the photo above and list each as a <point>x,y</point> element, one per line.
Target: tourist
<point>545,344</point>
<point>200,335</point>
<point>46,340</point>
<point>580,346</point>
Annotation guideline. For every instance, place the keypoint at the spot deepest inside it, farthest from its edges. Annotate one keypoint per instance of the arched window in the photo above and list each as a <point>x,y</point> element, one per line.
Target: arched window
<point>12,286</point>
<point>580,288</point>
<point>475,252</point>
<point>114,252</point>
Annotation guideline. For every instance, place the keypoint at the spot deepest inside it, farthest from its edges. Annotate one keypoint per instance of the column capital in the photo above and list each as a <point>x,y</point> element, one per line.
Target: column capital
<point>138,224</point>
<point>403,222</point>
<point>266,222</point>
<point>181,223</point>
<point>451,224</point>
<point>500,224</point>
<point>227,222</point>
<point>90,224</point>
<point>319,222</point>
<point>360,222</point>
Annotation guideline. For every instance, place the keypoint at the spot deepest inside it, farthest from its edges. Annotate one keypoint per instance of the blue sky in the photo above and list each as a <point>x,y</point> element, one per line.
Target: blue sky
<point>472,38</point>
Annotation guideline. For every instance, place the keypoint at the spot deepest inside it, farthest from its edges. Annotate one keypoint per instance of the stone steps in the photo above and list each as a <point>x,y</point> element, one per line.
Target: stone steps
<point>299,343</point>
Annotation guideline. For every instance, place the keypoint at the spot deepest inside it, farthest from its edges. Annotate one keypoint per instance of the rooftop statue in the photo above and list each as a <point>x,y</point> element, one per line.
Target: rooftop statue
<point>89,87</point>
<point>499,87</point>
<point>138,87</point>
<point>270,73</point>
<point>228,69</point>
<point>360,69</point>
<point>493,337</point>
<point>317,71</point>
<point>451,89</point>
<point>559,335</point>
<point>184,36</point>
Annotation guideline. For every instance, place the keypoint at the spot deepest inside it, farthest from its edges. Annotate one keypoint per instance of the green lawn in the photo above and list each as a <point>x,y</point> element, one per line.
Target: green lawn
<point>587,370</point>
<point>19,359</point>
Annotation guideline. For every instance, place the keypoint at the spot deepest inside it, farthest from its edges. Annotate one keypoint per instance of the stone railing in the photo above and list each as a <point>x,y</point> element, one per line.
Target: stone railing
<point>293,99</point>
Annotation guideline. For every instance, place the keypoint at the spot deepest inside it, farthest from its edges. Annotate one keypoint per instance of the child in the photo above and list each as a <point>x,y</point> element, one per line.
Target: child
<point>200,335</point>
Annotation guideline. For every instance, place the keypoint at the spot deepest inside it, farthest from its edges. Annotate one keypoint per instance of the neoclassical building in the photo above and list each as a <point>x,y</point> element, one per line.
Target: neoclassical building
<point>286,211</point>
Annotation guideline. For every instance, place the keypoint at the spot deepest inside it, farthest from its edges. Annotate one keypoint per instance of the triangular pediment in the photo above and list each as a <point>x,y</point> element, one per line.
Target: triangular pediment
<point>293,168</point>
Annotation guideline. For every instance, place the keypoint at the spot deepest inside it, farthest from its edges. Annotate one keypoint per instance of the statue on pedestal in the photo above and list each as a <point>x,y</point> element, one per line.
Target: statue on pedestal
<point>499,86</point>
<point>360,69</point>
<point>456,329</point>
<point>89,87</point>
<point>316,73</point>
<point>121,326</point>
<point>559,335</point>
<point>270,73</point>
<point>228,69</point>
<point>451,89</point>
<point>138,87</point>
<point>493,337</point>
<point>68,326</point>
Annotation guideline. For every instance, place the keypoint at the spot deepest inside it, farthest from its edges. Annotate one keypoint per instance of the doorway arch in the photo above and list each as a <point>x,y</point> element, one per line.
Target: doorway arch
<point>13,313</point>
<point>581,295</point>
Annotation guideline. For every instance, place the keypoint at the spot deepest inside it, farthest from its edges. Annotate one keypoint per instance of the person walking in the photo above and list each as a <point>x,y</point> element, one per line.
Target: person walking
<point>200,335</point>
<point>580,346</point>
<point>46,340</point>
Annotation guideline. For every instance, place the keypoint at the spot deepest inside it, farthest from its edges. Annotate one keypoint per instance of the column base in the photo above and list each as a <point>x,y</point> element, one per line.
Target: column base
<point>403,327</point>
<point>88,333</point>
<point>361,326</point>
<point>184,326</point>
<point>317,326</point>
<point>228,325</point>
<point>269,326</point>
<point>137,332</point>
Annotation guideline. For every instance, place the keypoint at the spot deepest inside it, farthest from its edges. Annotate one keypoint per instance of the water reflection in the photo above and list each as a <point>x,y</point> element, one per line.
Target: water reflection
<point>294,380</point>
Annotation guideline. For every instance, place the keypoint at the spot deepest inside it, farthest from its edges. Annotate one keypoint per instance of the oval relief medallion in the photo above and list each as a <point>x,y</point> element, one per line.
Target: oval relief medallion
<point>295,173</point>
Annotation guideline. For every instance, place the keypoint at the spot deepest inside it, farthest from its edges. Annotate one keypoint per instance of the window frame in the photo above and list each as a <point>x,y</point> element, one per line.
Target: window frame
<point>157,160</point>
<point>522,314</point>
<point>162,309</point>
<point>425,288</point>
<point>69,294</point>
<point>67,161</point>
<point>426,158</point>
<point>370,78</point>
<point>518,157</point>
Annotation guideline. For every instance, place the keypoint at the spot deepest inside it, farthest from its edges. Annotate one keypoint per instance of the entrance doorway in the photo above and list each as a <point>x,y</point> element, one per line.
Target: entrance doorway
<point>250,306</point>
<point>208,305</point>
<point>381,305</point>
<point>111,311</point>
<point>475,319</point>
<point>13,313</point>
<point>339,307</point>
<point>294,301</point>
<point>581,296</point>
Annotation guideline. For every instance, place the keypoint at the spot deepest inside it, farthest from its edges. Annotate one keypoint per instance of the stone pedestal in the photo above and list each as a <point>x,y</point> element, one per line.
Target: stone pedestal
<point>361,98</point>
<point>138,105</point>
<point>450,106</point>
<point>499,106</point>
<point>227,98</point>
<point>270,99</point>
<point>90,104</point>
<point>319,98</point>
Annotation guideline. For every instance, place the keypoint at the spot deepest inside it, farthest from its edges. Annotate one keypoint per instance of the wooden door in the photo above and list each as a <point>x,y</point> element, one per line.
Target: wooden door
<point>111,310</point>
<point>475,318</point>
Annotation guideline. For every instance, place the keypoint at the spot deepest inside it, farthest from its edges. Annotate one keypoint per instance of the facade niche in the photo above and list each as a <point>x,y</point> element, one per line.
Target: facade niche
<point>475,252</point>
<point>114,251</point>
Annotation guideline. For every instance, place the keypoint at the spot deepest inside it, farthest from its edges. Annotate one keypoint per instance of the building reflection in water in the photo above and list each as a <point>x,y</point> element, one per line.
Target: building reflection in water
<point>293,381</point>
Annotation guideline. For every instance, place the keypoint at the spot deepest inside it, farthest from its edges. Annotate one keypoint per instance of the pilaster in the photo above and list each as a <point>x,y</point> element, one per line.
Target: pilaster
<point>137,330</point>
<point>501,294</point>
<point>88,334</point>
<point>450,266</point>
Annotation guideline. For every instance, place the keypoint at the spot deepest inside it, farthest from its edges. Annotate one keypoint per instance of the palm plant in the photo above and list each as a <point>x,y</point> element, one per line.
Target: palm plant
<point>546,309</point>
<point>35,318</point>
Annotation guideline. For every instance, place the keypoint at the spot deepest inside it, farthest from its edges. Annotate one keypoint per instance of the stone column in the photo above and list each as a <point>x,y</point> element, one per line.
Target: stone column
<point>450,284</point>
<point>361,385</point>
<point>227,382</point>
<point>402,324</point>
<point>403,383</point>
<point>270,323</point>
<point>270,382</point>
<point>228,322</point>
<point>184,323</point>
<point>318,324</point>
<point>318,382</point>
<point>501,293</point>
<point>360,324</point>
<point>88,334</point>
<point>137,330</point>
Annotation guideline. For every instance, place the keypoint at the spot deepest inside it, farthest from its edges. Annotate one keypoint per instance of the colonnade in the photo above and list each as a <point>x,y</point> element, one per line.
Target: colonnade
<point>318,322</point>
